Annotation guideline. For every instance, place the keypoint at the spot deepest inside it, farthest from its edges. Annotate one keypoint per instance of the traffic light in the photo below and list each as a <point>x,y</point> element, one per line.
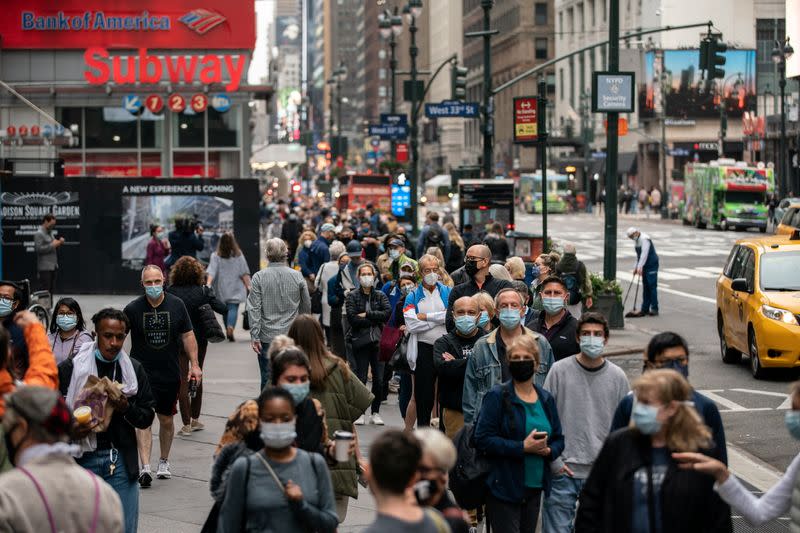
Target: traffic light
<point>458,82</point>
<point>715,59</point>
<point>704,54</point>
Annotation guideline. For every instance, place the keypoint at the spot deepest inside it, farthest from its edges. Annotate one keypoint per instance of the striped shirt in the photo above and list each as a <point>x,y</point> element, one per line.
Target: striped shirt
<point>277,295</point>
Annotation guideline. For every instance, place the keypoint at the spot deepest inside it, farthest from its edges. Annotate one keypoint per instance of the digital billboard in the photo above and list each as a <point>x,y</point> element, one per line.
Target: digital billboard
<point>686,93</point>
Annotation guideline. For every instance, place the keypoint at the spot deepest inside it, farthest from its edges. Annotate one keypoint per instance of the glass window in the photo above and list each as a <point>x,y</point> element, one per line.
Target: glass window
<point>540,14</point>
<point>73,163</point>
<point>109,127</point>
<point>223,128</point>
<point>71,116</point>
<point>541,48</point>
<point>187,131</point>
<point>750,269</point>
<point>112,164</point>
<point>779,271</point>
<point>188,164</point>
<point>728,270</point>
<point>152,130</point>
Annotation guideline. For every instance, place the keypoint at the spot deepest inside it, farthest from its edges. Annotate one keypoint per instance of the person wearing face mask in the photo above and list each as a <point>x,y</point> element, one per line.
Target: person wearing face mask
<point>519,430</point>
<point>424,315</point>
<point>670,350</point>
<point>531,318</point>
<point>48,491</point>
<point>476,266</point>
<point>394,259</point>
<point>543,267</point>
<point>555,322</point>
<point>438,458</point>
<point>367,312</point>
<point>158,247</point>
<point>327,272</point>
<point>112,454</point>
<point>585,416</point>
<point>160,328</point>
<point>46,246</point>
<point>647,269</point>
<point>68,331</point>
<point>405,396</point>
<point>636,484</point>
<point>281,487</point>
<point>304,259</point>
<point>450,355</point>
<point>488,313</point>
<point>774,503</point>
<point>489,365</point>
<point>13,301</point>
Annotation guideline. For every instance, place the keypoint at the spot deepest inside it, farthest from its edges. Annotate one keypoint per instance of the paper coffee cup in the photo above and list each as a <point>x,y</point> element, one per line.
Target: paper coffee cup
<point>83,415</point>
<point>342,450</point>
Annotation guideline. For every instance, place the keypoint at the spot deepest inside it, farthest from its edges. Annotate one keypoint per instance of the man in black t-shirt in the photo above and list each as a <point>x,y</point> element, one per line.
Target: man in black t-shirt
<point>160,326</point>
<point>450,354</point>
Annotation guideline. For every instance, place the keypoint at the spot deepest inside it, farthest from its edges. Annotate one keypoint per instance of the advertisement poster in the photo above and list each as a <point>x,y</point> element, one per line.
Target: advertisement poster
<point>106,224</point>
<point>686,93</point>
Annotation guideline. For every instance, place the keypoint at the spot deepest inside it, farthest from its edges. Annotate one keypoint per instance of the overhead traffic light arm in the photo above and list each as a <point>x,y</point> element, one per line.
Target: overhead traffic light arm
<point>450,60</point>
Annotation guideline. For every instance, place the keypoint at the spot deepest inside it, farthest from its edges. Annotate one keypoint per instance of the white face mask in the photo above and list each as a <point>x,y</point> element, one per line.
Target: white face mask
<point>367,281</point>
<point>431,279</point>
<point>278,435</point>
<point>307,243</point>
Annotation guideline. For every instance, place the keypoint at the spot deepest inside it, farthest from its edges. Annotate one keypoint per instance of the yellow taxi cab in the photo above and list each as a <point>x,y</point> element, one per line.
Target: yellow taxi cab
<point>790,221</point>
<point>758,303</point>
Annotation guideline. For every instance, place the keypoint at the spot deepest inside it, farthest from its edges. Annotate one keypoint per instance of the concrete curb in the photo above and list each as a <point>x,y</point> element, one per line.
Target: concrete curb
<point>752,469</point>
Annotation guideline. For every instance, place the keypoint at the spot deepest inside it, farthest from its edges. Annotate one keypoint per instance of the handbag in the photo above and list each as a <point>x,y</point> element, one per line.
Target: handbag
<point>390,336</point>
<point>398,360</point>
<point>208,320</point>
<point>367,338</point>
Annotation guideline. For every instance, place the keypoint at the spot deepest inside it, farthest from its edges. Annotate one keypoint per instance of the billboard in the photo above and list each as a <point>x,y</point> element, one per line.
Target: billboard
<point>119,24</point>
<point>793,32</point>
<point>106,224</point>
<point>287,31</point>
<point>686,94</point>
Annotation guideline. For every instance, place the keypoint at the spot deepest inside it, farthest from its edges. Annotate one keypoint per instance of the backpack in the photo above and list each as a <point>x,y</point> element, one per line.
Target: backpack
<point>573,282</point>
<point>434,238</point>
<point>468,476</point>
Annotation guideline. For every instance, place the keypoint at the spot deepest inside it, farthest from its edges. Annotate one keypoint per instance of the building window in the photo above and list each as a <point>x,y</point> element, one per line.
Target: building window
<point>382,91</point>
<point>582,16</point>
<point>590,10</point>
<point>381,73</point>
<point>541,14</point>
<point>110,127</point>
<point>561,83</point>
<point>572,82</point>
<point>541,48</point>
<point>561,23</point>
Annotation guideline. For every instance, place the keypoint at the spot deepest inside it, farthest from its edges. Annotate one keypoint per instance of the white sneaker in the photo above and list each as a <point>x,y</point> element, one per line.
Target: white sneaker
<point>360,421</point>
<point>163,470</point>
<point>376,419</point>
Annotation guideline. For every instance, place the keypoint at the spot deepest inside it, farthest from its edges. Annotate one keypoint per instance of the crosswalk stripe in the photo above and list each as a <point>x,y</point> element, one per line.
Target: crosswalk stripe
<point>692,272</point>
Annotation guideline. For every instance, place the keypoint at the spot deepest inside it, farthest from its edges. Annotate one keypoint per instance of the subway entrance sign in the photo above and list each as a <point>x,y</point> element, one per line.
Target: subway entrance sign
<point>525,120</point>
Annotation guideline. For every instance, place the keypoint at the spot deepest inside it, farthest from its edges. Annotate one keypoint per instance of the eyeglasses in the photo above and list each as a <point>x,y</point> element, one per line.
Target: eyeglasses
<point>473,258</point>
<point>664,362</point>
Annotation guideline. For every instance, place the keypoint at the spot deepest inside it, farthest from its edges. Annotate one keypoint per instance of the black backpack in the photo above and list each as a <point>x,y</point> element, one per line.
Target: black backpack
<point>468,476</point>
<point>573,282</point>
<point>434,238</point>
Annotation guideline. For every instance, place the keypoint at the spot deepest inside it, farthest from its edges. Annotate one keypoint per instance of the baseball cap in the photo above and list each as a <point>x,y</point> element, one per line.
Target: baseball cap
<point>396,242</point>
<point>354,248</point>
<point>327,227</point>
<point>630,231</point>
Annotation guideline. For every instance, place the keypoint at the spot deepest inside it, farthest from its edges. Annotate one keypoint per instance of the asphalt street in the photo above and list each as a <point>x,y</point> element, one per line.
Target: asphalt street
<point>690,262</point>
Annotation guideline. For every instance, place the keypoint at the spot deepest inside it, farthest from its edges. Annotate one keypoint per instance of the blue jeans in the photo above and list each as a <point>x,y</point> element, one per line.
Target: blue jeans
<point>650,291</point>
<point>233,314</point>
<point>264,364</point>
<point>558,510</point>
<point>99,462</point>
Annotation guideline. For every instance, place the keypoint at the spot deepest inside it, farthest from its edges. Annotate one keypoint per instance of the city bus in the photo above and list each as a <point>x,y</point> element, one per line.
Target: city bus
<point>727,194</point>
<point>482,202</point>
<point>530,192</point>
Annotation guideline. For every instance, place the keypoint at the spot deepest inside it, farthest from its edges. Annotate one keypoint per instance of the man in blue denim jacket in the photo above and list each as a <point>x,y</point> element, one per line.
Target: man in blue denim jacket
<point>488,365</point>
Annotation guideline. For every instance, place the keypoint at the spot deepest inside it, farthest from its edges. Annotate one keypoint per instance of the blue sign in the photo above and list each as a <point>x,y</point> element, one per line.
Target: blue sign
<point>401,199</point>
<point>389,132</point>
<point>221,102</point>
<point>452,109</point>
<point>679,152</point>
<point>132,103</point>
<point>387,118</point>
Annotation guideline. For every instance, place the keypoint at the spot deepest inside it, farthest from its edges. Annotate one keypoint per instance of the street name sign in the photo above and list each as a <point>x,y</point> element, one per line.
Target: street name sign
<point>452,109</point>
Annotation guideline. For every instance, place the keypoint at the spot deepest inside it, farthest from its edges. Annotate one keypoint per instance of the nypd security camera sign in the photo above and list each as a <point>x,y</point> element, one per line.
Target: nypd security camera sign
<point>613,92</point>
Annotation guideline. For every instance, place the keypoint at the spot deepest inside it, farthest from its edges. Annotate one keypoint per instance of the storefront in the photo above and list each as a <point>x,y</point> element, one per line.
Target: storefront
<point>141,88</point>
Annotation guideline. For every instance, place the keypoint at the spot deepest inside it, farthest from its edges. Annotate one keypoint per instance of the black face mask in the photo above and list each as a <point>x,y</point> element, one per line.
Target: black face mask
<point>471,268</point>
<point>424,490</point>
<point>522,370</point>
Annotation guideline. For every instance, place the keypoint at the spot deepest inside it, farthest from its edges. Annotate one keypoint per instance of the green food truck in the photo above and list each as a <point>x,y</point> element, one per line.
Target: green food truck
<point>727,194</point>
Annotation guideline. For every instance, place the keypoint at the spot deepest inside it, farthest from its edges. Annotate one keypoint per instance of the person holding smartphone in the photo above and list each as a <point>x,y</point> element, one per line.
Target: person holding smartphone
<point>519,430</point>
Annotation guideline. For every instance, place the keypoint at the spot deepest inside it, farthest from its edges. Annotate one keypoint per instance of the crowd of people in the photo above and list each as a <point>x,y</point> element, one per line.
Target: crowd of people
<point>513,416</point>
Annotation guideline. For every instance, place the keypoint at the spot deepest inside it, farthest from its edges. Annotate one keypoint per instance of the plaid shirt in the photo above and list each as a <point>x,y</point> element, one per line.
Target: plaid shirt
<point>277,295</point>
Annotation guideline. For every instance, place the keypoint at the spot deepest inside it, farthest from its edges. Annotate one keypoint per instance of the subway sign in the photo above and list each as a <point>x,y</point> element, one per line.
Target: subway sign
<point>164,24</point>
<point>148,68</point>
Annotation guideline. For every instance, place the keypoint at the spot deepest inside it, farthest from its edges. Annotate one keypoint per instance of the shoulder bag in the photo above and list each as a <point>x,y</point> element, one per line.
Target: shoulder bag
<point>398,360</point>
<point>369,337</point>
<point>208,320</point>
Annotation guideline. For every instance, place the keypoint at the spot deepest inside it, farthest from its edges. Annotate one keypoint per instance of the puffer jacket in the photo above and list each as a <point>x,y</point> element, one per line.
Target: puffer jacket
<point>377,315</point>
<point>344,398</point>
<point>193,296</point>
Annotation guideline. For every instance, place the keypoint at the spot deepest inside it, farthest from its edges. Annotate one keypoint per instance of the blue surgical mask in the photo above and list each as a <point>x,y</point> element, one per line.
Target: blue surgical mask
<point>394,254</point>
<point>154,292</point>
<point>645,418</point>
<point>66,322</point>
<point>553,306</point>
<point>102,359</point>
<point>483,319</point>
<point>592,347</point>
<point>535,271</point>
<point>408,289</point>
<point>299,391</point>
<point>160,235</point>
<point>509,318</point>
<point>792,421</point>
<point>465,324</point>
<point>676,365</point>
<point>6,306</point>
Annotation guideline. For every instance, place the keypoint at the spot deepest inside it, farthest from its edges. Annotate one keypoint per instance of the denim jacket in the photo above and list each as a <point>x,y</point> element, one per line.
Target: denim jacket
<point>483,370</point>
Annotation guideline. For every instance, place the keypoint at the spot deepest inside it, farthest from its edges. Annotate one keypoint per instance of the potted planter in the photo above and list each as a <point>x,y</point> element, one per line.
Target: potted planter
<point>607,296</point>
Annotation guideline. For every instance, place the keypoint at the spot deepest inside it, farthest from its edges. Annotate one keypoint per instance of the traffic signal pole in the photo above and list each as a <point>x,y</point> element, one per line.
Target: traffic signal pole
<point>612,147</point>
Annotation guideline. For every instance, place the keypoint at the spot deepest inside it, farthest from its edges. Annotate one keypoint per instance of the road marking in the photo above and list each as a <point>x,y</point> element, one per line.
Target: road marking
<point>724,402</point>
<point>688,295</point>
<point>787,399</point>
<point>756,472</point>
<point>714,270</point>
<point>692,272</point>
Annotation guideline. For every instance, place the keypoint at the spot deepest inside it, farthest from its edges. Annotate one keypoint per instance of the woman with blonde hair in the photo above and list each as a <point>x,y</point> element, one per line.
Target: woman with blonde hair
<point>498,271</point>
<point>543,267</point>
<point>444,277</point>
<point>455,259</point>
<point>516,267</point>
<point>307,238</point>
<point>488,311</point>
<point>636,484</point>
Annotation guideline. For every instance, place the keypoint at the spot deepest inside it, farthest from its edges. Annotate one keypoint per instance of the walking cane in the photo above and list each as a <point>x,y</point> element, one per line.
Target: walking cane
<point>632,312</point>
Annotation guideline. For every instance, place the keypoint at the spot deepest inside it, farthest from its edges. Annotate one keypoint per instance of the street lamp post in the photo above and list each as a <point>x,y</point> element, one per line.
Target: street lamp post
<point>336,79</point>
<point>412,10</point>
<point>391,26</point>
<point>488,98</point>
<point>780,54</point>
